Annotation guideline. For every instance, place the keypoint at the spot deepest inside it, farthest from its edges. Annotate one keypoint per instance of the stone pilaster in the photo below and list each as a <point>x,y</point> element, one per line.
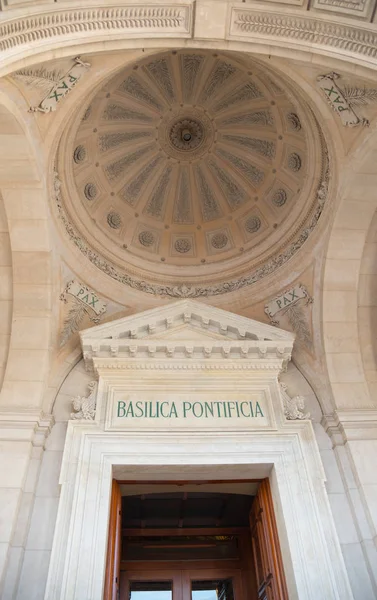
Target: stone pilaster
<point>354,437</point>
<point>22,439</point>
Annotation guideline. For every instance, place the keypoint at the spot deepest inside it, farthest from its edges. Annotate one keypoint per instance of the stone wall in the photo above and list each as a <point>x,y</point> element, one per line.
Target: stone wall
<point>338,34</point>
<point>27,567</point>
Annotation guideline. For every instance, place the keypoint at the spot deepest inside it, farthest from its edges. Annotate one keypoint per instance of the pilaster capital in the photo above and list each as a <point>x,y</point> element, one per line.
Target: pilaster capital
<point>25,426</point>
<point>347,425</point>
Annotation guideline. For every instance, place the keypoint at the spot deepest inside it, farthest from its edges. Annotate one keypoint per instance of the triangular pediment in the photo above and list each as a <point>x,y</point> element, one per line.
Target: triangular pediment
<point>185,320</point>
<point>181,330</point>
<point>187,332</point>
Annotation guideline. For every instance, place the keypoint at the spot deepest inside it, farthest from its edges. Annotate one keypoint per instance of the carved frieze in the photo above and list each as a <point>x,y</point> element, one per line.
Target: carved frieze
<point>134,19</point>
<point>252,23</point>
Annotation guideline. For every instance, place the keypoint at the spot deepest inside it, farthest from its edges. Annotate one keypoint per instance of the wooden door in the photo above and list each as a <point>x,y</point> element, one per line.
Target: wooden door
<point>181,580</point>
<point>149,574</point>
<point>114,545</point>
<point>266,548</point>
<point>231,576</point>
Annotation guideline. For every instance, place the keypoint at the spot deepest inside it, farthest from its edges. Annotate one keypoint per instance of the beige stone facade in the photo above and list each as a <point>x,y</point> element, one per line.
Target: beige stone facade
<point>211,155</point>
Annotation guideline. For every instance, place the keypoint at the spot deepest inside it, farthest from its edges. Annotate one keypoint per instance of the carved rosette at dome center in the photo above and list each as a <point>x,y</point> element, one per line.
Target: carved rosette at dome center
<point>187,135</point>
<point>191,166</point>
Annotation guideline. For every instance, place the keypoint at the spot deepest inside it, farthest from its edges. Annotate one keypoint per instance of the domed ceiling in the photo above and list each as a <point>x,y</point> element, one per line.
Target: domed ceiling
<point>189,166</point>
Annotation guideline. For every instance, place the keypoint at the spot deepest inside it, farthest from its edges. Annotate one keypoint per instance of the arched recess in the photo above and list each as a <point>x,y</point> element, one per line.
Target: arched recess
<point>367,308</point>
<point>26,284</point>
<point>6,290</point>
<point>347,293</point>
<point>344,279</point>
<point>23,191</point>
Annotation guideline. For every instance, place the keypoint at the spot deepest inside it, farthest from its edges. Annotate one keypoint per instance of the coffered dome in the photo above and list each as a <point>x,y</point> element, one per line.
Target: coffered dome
<point>191,164</point>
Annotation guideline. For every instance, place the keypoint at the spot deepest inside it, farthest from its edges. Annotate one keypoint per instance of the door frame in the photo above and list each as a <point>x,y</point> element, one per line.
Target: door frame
<point>312,557</point>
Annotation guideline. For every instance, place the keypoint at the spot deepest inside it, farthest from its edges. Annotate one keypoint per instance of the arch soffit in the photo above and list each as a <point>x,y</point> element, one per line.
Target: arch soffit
<point>341,279</point>
<point>47,33</point>
<point>26,208</point>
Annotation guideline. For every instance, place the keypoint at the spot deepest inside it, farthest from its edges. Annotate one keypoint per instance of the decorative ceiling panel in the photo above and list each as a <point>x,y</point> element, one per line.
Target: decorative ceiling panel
<point>189,159</point>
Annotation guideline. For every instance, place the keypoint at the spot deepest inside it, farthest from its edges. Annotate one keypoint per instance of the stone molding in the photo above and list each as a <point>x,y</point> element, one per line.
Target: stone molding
<point>204,333</point>
<point>326,25</point>
<point>159,321</point>
<point>103,364</point>
<point>355,8</point>
<point>273,27</point>
<point>150,19</point>
<point>92,457</point>
<point>348,425</point>
<point>27,425</point>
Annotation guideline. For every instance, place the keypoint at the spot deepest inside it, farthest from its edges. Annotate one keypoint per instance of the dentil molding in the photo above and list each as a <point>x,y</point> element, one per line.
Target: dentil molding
<point>165,337</point>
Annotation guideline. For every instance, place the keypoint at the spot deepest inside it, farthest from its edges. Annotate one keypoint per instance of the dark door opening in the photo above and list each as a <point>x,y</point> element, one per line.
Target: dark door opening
<point>192,542</point>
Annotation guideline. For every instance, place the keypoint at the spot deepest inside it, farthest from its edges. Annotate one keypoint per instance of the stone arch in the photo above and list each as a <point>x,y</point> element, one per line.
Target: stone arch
<point>6,290</point>
<point>27,283</point>
<point>23,191</point>
<point>54,32</point>
<point>345,281</point>
<point>367,308</point>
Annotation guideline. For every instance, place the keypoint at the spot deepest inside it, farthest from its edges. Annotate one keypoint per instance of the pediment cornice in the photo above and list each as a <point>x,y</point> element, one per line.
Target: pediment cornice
<point>181,330</point>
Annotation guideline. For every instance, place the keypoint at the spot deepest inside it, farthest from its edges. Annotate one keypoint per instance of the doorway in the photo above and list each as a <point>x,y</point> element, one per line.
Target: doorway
<point>193,541</point>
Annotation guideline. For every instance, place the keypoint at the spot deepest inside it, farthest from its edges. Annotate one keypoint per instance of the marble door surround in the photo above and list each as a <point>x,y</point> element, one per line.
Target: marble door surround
<point>190,350</point>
